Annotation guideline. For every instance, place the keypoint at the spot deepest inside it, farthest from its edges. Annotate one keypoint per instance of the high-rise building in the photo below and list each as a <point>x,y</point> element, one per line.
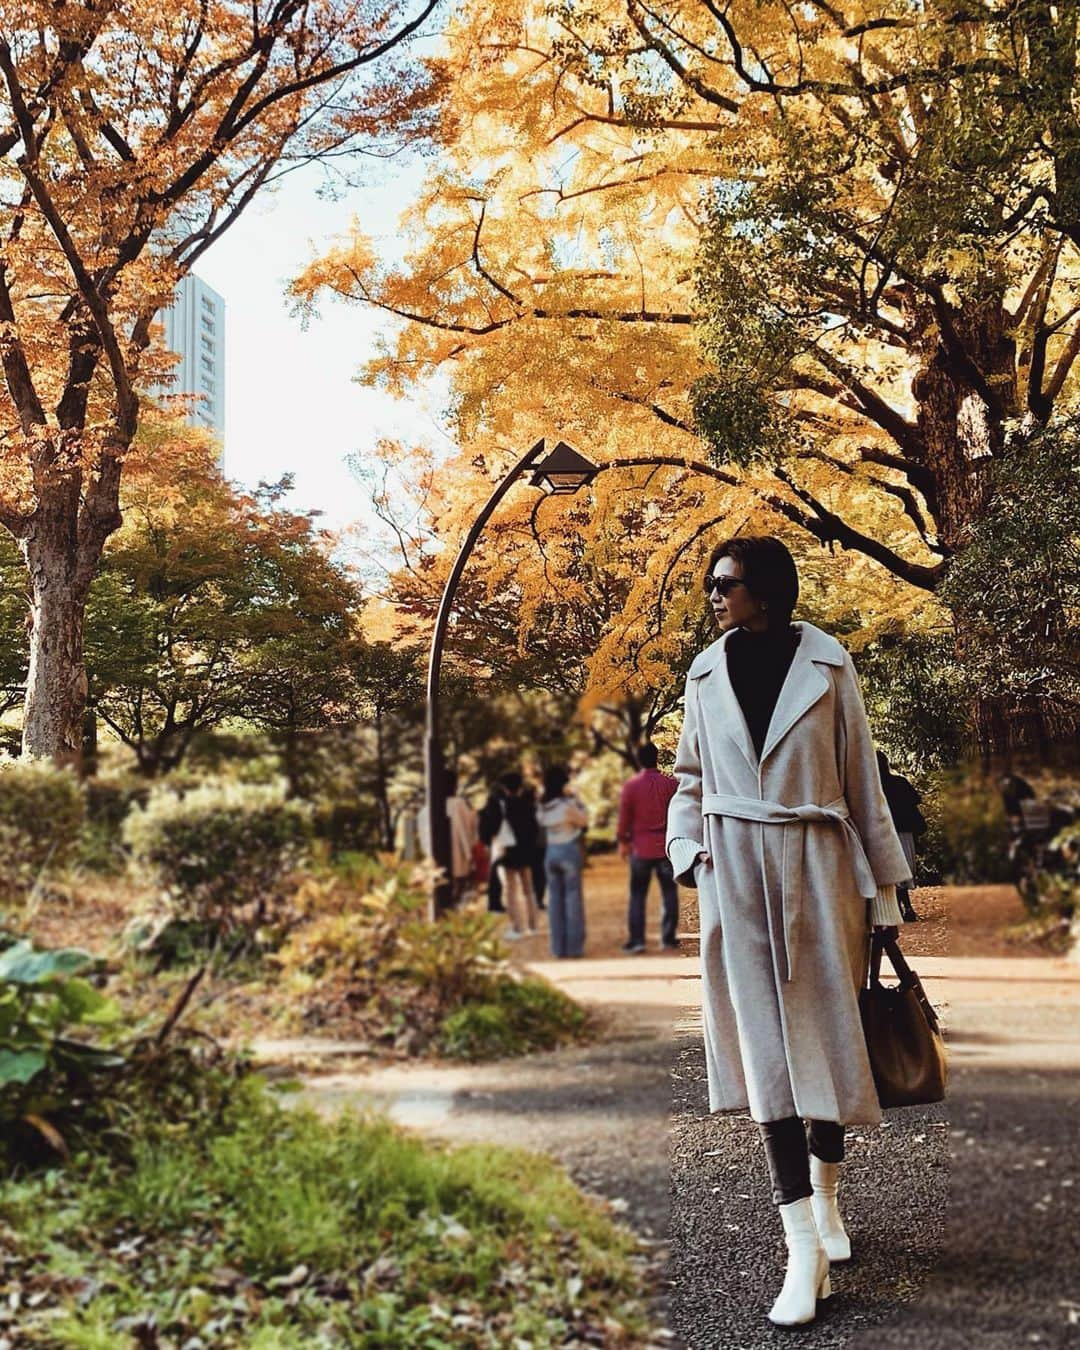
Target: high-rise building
<point>195,331</point>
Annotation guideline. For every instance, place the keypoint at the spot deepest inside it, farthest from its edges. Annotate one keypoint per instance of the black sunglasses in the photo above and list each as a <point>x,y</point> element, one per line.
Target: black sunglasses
<point>725,585</point>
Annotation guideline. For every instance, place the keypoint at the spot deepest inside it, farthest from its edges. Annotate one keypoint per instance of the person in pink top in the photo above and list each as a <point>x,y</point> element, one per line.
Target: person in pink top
<point>642,831</point>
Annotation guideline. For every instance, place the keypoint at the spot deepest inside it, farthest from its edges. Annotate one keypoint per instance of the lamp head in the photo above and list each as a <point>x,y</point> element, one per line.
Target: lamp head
<point>563,472</point>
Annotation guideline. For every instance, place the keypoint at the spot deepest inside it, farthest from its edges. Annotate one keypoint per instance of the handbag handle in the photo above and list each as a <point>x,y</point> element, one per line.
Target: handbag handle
<point>880,944</point>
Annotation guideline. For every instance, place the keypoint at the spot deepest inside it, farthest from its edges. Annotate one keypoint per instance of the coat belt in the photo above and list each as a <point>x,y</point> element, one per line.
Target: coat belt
<point>784,919</point>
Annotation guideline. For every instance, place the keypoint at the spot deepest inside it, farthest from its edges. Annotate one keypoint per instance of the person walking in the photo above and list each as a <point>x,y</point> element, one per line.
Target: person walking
<point>780,822</point>
<point>508,825</point>
<point>563,817</point>
<point>642,827</point>
<point>903,799</point>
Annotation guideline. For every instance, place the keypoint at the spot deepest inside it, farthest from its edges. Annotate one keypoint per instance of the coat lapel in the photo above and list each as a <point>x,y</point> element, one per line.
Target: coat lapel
<point>805,683</point>
<point>719,699</point>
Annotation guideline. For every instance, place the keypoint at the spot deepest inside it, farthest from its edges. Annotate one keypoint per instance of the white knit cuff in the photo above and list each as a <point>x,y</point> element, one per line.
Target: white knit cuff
<point>683,854</point>
<point>885,909</point>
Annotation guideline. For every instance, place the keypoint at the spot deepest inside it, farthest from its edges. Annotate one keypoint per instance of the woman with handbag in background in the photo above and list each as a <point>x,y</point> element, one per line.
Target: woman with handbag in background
<point>508,824</point>
<point>780,822</point>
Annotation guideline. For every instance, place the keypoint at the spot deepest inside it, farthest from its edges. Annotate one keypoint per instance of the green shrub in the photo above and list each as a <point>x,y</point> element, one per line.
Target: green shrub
<point>967,839</point>
<point>519,1016</point>
<point>41,813</point>
<point>101,842</point>
<point>223,854</point>
<point>365,946</point>
<point>44,995</point>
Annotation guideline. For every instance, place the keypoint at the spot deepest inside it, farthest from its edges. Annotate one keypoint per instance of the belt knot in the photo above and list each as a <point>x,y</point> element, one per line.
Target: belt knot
<point>793,820</point>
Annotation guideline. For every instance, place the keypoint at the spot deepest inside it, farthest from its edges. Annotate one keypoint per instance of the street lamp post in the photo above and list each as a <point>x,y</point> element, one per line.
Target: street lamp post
<point>561,473</point>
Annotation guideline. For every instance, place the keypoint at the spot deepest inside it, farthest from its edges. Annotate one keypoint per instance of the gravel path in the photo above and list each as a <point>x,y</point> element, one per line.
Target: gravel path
<point>727,1253</point>
<point>962,1215</point>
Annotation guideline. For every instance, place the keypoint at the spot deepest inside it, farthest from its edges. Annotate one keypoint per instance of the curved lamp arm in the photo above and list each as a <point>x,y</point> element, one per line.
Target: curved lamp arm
<point>437,823</point>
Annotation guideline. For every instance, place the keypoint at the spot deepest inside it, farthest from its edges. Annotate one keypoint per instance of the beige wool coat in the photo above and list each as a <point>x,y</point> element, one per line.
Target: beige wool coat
<point>799,846</point>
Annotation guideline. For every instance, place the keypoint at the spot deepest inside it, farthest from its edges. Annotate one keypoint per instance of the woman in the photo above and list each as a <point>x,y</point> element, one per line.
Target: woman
<point>563,816</point>
<point>780,822</point>
<point>903,801</point>
<point>463,836</point>
<point>509,822</point>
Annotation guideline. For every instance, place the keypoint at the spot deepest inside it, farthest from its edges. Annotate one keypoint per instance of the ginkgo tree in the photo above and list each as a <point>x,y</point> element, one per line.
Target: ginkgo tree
<point>595,602</point>
<point>829,250</point>
<point>131,137</point>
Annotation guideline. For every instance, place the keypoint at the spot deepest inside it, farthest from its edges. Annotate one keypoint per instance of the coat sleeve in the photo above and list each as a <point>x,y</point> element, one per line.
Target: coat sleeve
<point>684,822</point>
<point>862,786</point>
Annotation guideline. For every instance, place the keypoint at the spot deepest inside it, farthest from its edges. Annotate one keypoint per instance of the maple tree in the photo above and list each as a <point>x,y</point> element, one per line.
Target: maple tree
<point>211,604</point>
<point>832,252</point>
<point>131,137</point>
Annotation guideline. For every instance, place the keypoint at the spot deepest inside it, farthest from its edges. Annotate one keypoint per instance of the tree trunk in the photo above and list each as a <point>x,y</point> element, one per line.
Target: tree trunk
<point>290,760</point>
<point>382,786</point>
<point>89,759</point>
<point>962,429</point>
<point>56,681</point>
<point>959,432</point>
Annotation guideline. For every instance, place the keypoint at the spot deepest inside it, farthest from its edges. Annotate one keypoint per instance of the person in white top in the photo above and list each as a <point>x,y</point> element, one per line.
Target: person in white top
<point>563,817</point>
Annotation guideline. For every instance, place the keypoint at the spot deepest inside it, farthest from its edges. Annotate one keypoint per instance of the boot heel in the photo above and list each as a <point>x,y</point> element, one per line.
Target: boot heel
<point>825,1291</point>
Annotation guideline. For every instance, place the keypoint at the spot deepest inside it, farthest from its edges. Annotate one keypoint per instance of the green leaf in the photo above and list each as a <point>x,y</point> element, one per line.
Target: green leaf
<point>21,964</point>
<point>83,1003</point>
<point>19,1066</point>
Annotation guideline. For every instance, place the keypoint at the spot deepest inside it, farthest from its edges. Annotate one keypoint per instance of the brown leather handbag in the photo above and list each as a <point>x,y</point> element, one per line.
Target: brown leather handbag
<point>903,1037</point>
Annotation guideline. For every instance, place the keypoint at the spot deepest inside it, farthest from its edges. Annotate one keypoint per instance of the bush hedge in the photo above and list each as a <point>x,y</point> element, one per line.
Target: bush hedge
<point>223,854</point>
<point>42,809</point>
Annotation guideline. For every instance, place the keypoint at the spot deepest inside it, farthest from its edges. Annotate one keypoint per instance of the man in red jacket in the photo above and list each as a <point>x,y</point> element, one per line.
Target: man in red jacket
<point>642,830</point>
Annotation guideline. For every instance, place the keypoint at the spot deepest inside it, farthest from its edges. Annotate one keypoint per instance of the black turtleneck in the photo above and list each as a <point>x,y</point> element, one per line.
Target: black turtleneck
<point>758,664</point>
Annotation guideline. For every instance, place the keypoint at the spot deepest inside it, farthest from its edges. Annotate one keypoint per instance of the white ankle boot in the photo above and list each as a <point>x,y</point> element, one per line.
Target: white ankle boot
<point>807,1277</point>
<point>825,1177</point>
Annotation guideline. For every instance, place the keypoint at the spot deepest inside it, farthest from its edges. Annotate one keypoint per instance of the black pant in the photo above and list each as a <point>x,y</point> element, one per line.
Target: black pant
<point>788,1156</point>
<point>641,869</point>
<point>495,904</point>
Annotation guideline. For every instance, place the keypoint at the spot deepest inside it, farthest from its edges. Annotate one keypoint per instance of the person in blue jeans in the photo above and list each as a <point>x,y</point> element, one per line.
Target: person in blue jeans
<point>642,831</point>
<point>563,818</point>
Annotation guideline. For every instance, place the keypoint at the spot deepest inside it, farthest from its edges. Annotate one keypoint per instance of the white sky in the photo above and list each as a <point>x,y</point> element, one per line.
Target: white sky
<point>291,401</point>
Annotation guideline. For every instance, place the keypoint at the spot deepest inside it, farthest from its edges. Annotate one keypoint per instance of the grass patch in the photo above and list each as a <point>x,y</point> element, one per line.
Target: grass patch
<point>517,1016</point>
<point>276,1228</point>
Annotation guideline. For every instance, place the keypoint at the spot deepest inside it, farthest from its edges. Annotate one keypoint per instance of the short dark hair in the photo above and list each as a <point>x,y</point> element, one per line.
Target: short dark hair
<point>768,571</point>
<point>647,755</point>
<point>555,779</point>
<point>512,780</point>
